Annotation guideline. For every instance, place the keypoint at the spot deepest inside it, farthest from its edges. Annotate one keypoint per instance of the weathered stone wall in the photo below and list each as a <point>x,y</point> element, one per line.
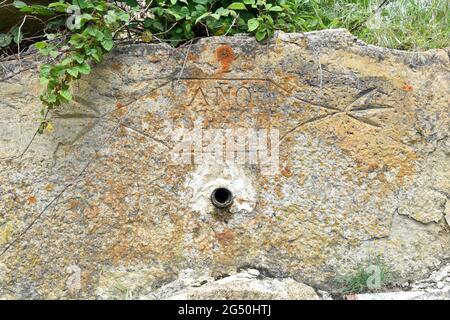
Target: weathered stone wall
<point>363,167</point>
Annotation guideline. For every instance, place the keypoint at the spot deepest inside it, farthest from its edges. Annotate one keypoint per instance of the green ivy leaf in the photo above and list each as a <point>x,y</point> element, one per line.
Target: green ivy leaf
<point>45,69</point>
<point>53,53</point>
<point>59,6</point>
<point>175,14</point>
<point>17,35</point>
<point>57,71</point>
<point>94,32</point>
<point>44,80</point>
<point>5,40</point>
<point>51,98</point>
<point>79,57</point>
<point>206,14</point>
<point>107,44</point>
<point>66,61</point>
<point>40,45</point>
<point>77,41</point>
<point>97,56</point>
<point>65,94</point>
<point>237,6</point>
<point>84,68</point>
<point>83,4</point>
<point>73,72</point>
<point>37,9</point>
<point>253,24</point>
<point>260,35</point>
<point>123,16</point>
<point>276,9</point>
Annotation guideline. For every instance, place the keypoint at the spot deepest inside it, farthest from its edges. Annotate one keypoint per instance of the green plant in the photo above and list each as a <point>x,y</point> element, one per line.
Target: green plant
<point>90,37</point>
<point>410,25</point>
<point>96,25</point>
<point>179,20</point>
<point>13,36</point>
<point>399,24</point>
<point>372,275</point>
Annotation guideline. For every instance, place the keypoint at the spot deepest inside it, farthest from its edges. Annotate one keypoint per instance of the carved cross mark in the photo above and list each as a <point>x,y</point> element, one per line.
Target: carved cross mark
<point>356,110</point>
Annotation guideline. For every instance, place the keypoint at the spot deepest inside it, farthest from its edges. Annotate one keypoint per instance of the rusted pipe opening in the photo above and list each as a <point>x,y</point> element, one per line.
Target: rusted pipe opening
<point>221,198</point>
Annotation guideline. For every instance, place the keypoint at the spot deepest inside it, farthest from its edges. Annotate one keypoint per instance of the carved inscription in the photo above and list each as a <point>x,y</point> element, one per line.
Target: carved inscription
<point>226,94</point>
<point>232,93</point>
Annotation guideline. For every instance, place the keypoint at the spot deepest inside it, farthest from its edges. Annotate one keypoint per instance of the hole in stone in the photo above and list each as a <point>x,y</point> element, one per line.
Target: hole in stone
<point>221,198</point>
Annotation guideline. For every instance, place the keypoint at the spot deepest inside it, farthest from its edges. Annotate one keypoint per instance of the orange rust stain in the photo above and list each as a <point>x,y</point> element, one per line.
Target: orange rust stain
<point>153,59</point>
<point>286,172</point>
<point>225,237</point>
<point>119,105</point>
<point>225,56</point>
<point>92,212</point>
<point>73,204</point>
<point>371,167</point>
<point>31,200</point>
<point>119,251</point>
<point>116,66</point>
<point>279,192</point>
<point>408,87</point>
<point>120,111</point>
<point>406,166</point>
<point>192,56</point>
<point>372,150</point>
<point>301,179</point>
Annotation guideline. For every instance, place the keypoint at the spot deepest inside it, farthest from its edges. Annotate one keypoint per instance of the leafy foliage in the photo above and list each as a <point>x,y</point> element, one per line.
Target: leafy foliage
<point>399,24</point>
<point>88,37</point>
<point>92,27</point>
<point>91,38</point>
<point>179,20</point>
<point>78,33</point>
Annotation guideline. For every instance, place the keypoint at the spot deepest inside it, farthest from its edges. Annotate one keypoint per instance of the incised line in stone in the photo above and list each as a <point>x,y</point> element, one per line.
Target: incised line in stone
<point>78,176</point>
<point>359,104</point>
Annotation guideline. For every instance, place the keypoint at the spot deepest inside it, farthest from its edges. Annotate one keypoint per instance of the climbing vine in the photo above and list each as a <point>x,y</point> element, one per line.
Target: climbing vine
<point>79,33</point>
<point>74,35</point>
<point>91,37</point>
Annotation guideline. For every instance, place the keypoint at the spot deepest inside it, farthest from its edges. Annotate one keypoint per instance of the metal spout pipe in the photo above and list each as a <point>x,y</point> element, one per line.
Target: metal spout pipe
<point>221,198</point>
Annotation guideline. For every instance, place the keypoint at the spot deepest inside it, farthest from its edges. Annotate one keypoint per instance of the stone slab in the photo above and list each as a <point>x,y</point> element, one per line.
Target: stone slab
<point>363,166</point>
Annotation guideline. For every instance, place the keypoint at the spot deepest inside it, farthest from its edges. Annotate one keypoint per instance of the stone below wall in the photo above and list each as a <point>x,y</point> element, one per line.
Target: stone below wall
<point>102,202</point>
<point>247,284</point>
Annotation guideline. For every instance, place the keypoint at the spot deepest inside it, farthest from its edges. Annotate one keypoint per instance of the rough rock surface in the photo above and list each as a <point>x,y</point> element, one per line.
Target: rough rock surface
<point>438,281</point>
<point>248,284</point>
<point>435,287</point>
<point>99,202</point>
<point>404,295</point>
